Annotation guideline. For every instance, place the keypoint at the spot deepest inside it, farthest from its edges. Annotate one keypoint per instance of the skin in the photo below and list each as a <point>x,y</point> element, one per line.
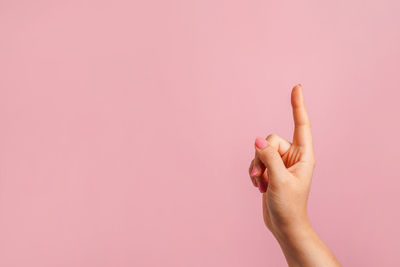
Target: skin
<point>282,171</point>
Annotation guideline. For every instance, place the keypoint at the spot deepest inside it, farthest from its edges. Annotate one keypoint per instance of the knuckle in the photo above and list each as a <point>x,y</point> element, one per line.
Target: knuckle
<point>251,166</point>
<point>272,137</point>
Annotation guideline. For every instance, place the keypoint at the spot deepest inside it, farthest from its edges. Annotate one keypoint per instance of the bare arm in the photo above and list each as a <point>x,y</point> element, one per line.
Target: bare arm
<point>303,247</point>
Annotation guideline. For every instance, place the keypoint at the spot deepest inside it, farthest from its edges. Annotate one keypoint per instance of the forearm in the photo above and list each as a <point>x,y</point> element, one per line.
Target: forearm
<point>303,247</point>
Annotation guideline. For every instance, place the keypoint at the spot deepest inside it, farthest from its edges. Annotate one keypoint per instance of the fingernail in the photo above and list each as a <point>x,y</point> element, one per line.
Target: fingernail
<point>261,143</point>
<point>254,171</point>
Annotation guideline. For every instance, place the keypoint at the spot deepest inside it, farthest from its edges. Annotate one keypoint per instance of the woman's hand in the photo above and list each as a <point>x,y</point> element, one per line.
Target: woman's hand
<point>282,171</point>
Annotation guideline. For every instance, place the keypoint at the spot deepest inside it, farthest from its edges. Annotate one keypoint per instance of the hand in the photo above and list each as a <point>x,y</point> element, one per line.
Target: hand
<point>282,171</point>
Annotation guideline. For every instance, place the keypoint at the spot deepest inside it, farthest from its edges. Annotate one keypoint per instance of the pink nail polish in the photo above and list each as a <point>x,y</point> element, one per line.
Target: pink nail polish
<point>254,171</point>
<point>262,187</point>
<point>261,143</point>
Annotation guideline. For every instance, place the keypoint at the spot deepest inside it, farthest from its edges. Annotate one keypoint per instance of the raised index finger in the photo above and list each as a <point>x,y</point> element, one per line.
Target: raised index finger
<point>302,128</point>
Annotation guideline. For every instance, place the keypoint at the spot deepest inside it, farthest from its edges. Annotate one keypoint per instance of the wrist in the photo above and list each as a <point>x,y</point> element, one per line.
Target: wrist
<point>291,232</point>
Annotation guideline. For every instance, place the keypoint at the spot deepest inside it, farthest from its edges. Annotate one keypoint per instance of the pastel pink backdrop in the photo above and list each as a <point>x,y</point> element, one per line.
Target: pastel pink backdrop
<point>127,128</point>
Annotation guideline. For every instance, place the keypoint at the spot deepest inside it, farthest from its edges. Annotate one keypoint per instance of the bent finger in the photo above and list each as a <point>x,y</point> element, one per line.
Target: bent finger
<point>251,173</point>
<point>280,144</point>
<point>269,156</point>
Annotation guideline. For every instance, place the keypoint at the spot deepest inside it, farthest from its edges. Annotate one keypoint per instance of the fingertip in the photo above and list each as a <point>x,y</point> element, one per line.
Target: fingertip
<point>297,96</point>
<point>299,86</point>
<point>261,143</point>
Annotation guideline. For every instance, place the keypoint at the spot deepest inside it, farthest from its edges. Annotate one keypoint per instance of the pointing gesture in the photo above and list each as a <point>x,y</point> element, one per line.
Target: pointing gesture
<point>282,172</point>
<point>275,155</point>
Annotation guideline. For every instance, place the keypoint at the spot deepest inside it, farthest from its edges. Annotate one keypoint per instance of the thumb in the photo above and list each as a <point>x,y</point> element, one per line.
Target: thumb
<point>270,156</point>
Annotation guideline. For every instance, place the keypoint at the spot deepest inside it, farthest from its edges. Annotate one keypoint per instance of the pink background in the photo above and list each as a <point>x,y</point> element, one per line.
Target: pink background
<point>127,128</point>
